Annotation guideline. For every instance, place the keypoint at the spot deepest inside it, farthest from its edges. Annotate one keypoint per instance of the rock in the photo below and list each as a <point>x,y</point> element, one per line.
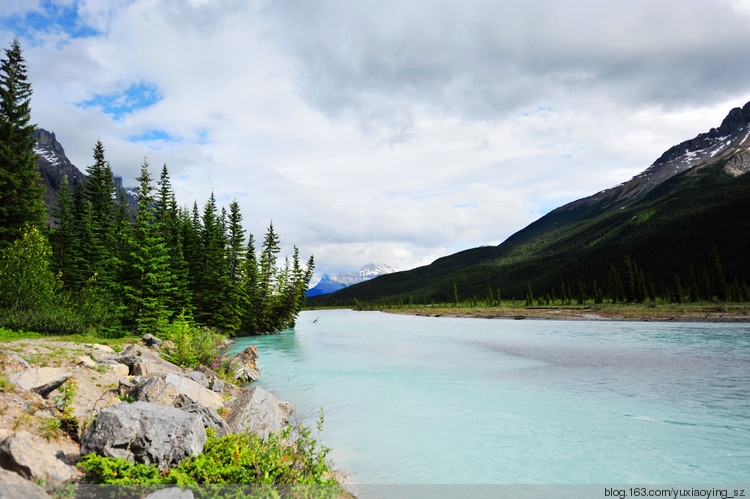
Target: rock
<point>258,411</point>
<point>165,388</point>
<point>144,362</point>
<point>85,360</point>
<point>214,382</point>
<point>119,369</point>
<point>244,367</point>
<point>154,389</point>
<point>250,354</point>
<point>211,418</point>
<point>16,357</point>
<point>34,460</point>
<point>100,348</point>
<point>13,485</point>
<point>145,432</point>
<point>199,378</point>
<point>346,482</point>
<point>151,341</point>
<point>171,493</point>
<point>42,380</point>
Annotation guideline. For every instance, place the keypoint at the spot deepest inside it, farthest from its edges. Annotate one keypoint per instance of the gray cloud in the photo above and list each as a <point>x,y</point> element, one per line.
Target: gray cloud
<point>484,60</point>
<point>388,130</point>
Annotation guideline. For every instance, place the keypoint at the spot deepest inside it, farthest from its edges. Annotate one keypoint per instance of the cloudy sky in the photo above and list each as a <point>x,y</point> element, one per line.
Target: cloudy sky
<point>395,131</point>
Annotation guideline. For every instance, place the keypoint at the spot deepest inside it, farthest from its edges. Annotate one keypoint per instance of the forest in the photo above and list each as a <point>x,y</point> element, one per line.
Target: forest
<point>99,267</point>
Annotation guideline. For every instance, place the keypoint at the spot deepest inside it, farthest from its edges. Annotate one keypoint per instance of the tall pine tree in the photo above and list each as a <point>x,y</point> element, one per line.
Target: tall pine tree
<point>21,193</point>
<point>148,277</point>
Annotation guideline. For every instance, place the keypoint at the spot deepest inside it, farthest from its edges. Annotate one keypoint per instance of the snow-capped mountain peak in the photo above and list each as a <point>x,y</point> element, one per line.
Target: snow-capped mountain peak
<point>331,283</point>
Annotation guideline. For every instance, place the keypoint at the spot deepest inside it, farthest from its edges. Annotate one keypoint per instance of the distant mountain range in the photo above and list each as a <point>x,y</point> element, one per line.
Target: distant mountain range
<point>329,284</point>
<point>54,165</point>
<point>695,197</point>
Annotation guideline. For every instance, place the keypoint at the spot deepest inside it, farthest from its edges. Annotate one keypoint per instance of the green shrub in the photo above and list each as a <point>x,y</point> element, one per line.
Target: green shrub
<point>243,459</point>
<point>194,345</point>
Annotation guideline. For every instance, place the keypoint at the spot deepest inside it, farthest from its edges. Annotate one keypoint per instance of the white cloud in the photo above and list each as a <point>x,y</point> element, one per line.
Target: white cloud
<point>390,131</point>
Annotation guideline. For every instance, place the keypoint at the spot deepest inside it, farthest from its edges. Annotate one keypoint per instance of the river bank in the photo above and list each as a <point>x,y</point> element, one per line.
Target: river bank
<point>730,313</point>
<point>61,399</point>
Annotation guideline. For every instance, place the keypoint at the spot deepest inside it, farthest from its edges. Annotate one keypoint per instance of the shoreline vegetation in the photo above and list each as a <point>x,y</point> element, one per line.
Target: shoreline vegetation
<point>666,312</point>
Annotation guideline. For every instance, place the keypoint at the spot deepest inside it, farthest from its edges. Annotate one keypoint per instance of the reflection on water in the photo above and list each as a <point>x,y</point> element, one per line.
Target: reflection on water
<point>442,400</point>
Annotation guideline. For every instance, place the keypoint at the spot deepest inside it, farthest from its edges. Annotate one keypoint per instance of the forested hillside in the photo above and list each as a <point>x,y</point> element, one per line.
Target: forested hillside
<point>112,269</point>
<point>683,237</point>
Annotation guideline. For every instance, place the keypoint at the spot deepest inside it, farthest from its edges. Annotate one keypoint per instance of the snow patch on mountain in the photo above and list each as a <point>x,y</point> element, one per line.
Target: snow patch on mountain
<point>329,284</point>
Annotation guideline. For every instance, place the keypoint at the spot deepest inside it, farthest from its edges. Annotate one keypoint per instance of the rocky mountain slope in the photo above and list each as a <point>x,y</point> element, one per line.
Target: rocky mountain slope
<point>669,219</point>
<point>729,143</point>
<point>54,166</point>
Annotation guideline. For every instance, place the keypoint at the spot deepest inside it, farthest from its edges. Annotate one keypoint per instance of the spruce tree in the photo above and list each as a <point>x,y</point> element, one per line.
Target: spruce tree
<point>250,284</point>
<point>148,279</point>
<point>170,226</point>
<point>267,278</point>
<point>100,193</point>
<point>21,193</point>
<point>62,236</point>
<point>718,281</point>
<point>235,300</point>
<point>212,276</point>
<point>629,280</point>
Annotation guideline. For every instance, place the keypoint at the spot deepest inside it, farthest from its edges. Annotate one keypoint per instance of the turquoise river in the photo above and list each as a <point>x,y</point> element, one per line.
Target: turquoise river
<point>420,400</point>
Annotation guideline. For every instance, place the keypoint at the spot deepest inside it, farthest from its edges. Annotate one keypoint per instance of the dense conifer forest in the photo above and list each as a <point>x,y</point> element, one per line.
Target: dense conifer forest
<point>100,267</point>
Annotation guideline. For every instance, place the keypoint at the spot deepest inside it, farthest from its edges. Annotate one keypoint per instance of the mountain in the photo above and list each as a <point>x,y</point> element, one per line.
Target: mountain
<point>329,284</point>
<point>54,166</point>
<point>692,202</point>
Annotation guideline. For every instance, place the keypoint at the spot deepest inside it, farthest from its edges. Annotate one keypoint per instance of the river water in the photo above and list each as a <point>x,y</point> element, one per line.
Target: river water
<point>419,400</point>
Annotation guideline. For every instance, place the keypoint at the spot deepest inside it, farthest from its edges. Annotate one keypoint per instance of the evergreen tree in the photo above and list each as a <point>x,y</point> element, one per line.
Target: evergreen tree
<point>62,237</point>
<point>581,293</point>
<point>529,295</point>
<point>267,277</point>
<point>80,271</point>
<point>100,193</point>
<point>718,281</point>
<point>236,299</point>
<point>170,226</point>
<point>640,287</point>
<point>21,193</point>
<point>212,277</point>
<point>678,291</point>
<point>629,280</point>
<point>694,292</point>
<point>614,284</point>
<point>250,284</point>
<point>148,276</point>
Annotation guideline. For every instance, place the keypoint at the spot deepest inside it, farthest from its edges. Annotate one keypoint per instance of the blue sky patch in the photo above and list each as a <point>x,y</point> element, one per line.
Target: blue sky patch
<point>51,19</point>
<point>153,135</point>
<point>137,96</point>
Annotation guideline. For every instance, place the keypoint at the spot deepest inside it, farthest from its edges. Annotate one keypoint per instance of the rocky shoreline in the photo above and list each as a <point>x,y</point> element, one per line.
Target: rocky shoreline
<point>88,387</point>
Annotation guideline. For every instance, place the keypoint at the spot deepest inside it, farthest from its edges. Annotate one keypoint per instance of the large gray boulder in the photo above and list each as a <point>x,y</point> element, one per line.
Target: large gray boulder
<point>145,432</point>
<point>42,380</point>
<point>34,460</point>
<point>12,485</point>
<point>209,416</point>
<point>165,388</point>
<point>144,362</point>
<point>258,411</point>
